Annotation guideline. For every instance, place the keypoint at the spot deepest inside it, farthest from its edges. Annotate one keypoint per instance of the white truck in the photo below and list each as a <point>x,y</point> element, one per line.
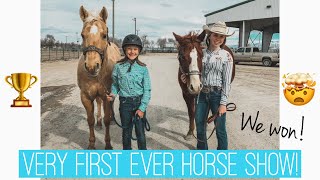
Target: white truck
<point>252,54</point>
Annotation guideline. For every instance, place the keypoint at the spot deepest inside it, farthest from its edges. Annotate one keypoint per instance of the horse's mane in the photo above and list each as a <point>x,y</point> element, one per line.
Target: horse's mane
<point>191,36</point>
<point>112,55</point>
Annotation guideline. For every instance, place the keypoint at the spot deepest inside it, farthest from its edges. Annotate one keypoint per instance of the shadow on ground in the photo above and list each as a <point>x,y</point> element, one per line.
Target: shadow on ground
<point>68,122</point>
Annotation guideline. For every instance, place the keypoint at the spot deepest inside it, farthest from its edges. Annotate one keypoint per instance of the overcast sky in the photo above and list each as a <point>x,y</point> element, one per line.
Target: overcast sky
<point>155,18</point>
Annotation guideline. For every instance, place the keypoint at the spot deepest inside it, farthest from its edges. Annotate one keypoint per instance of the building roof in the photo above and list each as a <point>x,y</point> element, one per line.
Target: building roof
<point>229,7</point>
<point>257,14</point>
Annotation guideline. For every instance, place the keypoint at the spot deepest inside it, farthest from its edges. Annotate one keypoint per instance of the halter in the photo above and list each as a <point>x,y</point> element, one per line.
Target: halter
<point>194,72</point>
<point>94,48</point>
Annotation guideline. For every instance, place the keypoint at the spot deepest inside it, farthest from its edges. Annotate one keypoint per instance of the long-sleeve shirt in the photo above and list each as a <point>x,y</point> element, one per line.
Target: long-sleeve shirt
<point>217,71</point>
<point>133,83</point>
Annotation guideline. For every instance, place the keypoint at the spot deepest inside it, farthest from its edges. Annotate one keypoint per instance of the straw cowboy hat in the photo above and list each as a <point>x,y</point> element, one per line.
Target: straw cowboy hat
<point>219,28</point>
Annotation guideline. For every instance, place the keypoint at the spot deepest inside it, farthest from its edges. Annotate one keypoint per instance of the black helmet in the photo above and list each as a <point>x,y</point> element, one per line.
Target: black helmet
<point>132,39</point>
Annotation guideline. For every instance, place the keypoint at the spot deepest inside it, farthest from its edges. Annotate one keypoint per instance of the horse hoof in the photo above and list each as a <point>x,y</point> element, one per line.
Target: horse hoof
<point>108,147</point>
<point>188,137</point>
<point>91,147</point>
<point>112,122</point>
<point>98,127</point>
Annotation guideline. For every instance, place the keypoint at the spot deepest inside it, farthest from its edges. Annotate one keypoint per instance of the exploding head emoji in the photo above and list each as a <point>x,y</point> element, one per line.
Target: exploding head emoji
<point>298,88</point>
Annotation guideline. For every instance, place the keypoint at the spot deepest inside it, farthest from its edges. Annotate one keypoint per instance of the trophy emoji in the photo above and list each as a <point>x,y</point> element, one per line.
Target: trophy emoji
<point>21,82</point>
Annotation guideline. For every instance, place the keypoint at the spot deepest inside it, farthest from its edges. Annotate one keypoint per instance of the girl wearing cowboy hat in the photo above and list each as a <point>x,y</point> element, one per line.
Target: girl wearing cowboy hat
<point>217,66</point>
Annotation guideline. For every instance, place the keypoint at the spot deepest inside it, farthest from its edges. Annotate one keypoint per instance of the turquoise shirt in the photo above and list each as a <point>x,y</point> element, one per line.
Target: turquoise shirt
<point>133,83</point>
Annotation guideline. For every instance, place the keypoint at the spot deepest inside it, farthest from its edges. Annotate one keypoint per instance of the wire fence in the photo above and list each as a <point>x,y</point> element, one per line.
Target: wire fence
<point>49,54</point>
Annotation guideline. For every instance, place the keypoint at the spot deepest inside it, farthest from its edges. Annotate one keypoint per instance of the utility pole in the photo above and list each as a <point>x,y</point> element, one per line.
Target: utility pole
<point>77,38</point>
<point>138,32</point>
<point>66,42</point>
<point>112,20</point>
<point>135,25</point>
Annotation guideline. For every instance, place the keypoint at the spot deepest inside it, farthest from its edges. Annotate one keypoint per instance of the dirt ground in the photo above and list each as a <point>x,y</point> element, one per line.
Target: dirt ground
<point>63,118</point>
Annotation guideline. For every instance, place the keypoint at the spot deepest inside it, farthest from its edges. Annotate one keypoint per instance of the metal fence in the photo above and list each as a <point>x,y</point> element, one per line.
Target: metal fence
<point>161,50</point>
<point>48,54</point>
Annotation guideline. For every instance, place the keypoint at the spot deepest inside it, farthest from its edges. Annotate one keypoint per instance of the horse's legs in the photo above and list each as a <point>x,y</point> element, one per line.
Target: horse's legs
<point>190,101</point>
<point>88,105</point>
<point>107,119</point>
<point>99,117</point>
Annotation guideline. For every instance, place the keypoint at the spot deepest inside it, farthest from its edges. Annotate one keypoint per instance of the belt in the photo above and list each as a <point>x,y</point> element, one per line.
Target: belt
<point>207,89</point>
<point>131,97</point>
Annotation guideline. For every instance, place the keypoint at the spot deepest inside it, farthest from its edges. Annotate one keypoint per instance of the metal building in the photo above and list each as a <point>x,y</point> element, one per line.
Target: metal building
<point>260,15</point>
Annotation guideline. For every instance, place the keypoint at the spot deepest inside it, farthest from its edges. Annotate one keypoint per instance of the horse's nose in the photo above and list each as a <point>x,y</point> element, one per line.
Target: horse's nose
<point>201,86</point>
<point>191,87</point>
<point>98,65</point>
<point>85,66</point>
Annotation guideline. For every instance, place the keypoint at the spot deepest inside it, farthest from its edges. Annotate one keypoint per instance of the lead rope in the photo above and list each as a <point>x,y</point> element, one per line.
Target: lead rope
<point>230,107</point>
<point>145,122</point>
<point>134,119</point>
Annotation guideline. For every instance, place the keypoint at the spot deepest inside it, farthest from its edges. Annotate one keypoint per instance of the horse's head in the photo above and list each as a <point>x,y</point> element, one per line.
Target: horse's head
<point>190,59</point>
<point>94,39</point>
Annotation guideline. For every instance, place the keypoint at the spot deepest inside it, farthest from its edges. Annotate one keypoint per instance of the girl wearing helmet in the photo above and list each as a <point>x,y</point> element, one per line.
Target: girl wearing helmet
<point>131,81</point>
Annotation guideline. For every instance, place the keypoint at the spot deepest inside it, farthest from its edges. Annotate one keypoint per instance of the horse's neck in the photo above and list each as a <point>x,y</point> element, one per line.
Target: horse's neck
<point>106,69</point>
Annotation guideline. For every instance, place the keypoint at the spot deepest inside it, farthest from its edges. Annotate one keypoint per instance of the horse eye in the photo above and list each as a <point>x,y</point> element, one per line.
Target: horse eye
<point>104,36</point>
<point>82,35</point>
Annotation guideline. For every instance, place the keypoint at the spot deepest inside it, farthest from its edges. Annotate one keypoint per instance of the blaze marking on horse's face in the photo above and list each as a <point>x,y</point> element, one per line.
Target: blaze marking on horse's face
<point>194,64</point>
<point>195,83</point>
<point>94,29</point>
<point>91,32</point>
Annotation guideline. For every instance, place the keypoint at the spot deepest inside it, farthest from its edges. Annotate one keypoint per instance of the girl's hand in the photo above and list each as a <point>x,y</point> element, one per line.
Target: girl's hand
<point>110,97</point>
<point>222,109</point>
<point>140,113</point>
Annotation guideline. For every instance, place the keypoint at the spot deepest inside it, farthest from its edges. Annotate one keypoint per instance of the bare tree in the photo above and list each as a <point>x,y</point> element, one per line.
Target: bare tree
<point>171,40</point>
<point>161,42</point>
<point>43,44</point>
<point>49,40</point>
<point>145,42</point>
<point>152,43</point>
<point>58,44</point>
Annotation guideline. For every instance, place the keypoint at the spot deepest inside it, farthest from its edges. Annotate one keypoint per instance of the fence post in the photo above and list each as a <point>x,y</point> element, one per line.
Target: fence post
<point>63,53</point>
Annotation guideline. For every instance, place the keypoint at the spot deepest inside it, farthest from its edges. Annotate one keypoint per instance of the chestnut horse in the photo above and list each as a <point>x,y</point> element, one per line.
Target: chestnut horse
<point>190,56</point>
<point>94,70</point>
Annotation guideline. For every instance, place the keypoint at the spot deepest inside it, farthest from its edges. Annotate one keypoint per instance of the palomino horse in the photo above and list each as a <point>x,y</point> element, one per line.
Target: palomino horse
<point>95,68</point>
<point>190,56</point>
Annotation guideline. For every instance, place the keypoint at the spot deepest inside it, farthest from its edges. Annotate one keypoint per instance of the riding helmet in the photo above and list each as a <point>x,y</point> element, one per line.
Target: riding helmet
<point>132,39</point>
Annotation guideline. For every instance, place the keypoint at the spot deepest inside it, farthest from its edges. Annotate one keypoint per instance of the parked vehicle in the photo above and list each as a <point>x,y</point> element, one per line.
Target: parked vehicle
<point>252,54</point>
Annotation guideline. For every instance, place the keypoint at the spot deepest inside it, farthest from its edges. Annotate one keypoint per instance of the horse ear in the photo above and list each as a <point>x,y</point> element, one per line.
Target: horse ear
<point>202,36</point>
<point>104,14</point>
<point>177,37</point>
<point>83,13</point>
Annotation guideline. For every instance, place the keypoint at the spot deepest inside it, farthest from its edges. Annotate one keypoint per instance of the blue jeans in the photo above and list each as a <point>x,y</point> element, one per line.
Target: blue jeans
<point>127,108</point>
<point>206,101</point>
